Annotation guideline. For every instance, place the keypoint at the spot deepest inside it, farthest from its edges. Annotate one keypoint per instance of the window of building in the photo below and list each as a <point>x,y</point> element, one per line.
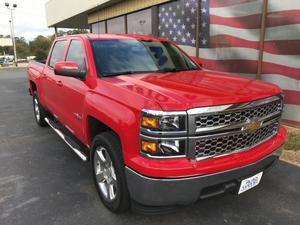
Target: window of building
<point>140,22</point>
<point>57,52</point>
<point>99,28</point>
<point>116,25</point>
<point>76,54</point>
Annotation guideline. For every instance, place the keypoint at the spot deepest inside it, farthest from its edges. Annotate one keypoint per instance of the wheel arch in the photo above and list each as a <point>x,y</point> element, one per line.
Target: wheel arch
<point>32,87</point>
<point>95,127</point>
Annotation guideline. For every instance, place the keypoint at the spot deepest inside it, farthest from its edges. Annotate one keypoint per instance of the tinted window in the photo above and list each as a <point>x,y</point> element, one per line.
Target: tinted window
<point>98,28</point>
<point>76,54</point>
<point>57,52</point>
<point>116,25</point>
<point>140,22</point>
<point>114,57</point>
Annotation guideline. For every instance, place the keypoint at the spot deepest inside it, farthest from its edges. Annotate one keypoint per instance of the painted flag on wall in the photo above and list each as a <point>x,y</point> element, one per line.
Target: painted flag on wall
<point>177,22</point>
<point>229,40</point>
<point>231,43</point>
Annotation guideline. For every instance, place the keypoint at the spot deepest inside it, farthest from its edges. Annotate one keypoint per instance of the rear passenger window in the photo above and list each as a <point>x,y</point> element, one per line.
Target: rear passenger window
<point>57,53</point>
<point>76,54</point>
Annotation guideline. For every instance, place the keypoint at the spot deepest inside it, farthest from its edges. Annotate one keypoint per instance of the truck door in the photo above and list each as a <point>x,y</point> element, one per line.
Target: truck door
<point>72,92</point>
<point>49,81</point>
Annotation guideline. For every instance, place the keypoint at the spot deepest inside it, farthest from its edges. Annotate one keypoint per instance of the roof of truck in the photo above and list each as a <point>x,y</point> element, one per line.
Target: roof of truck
<point>114,37</point>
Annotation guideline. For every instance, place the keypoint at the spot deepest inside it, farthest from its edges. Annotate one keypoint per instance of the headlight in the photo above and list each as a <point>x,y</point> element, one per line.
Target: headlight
<point>153,120</point>
<point>163,148</point>
<point>163,134</point>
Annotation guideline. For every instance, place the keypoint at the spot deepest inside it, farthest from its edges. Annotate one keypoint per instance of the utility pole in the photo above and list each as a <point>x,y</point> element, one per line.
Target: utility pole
<point>12,29</point>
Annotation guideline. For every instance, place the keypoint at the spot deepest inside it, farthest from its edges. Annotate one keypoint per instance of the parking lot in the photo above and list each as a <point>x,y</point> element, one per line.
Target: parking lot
<point>43,182</point>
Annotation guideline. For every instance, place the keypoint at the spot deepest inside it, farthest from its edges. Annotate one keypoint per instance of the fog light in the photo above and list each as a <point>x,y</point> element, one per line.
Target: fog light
<point>149,147</point>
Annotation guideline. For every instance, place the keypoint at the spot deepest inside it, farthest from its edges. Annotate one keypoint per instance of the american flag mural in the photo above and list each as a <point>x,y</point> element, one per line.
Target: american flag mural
<point>177,22</point>
<point>229,40</point>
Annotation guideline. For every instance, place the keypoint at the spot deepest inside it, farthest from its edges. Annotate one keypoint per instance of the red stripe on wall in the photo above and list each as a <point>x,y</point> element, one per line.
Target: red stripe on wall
<point>271,68</point>
<point>249,66</point>
<point>245,22</point>
<point>291,97</point>
<point>223,3</point>
<point>282,47</point>
<point>282,18</point>
<point>233,66</point>
<point>221,41</point>
<point>291,123</point>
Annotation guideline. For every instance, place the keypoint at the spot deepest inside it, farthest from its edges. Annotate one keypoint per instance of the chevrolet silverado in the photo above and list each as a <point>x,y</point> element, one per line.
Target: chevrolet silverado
<point>158,129</point>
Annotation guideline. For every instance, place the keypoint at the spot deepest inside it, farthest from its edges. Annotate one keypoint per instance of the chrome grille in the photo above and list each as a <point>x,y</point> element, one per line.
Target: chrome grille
<point>233,142</point>
<point>237,116</point>
<point>225,129</point>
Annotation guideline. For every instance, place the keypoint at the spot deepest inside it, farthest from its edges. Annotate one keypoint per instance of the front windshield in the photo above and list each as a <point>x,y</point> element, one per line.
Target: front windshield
<point>116,57</point>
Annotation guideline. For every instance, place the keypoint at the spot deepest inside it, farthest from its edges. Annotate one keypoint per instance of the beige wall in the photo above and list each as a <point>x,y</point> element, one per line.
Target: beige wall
<point>6,42</point>
<point>122,8</point>
<point>60,10</point>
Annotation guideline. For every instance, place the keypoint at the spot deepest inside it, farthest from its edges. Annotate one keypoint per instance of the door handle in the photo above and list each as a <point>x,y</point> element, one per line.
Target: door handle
<point>59,83</point>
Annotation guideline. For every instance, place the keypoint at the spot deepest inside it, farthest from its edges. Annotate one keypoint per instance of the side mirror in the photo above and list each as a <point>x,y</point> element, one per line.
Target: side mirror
<point>198,61</point>
<point>69,69</point>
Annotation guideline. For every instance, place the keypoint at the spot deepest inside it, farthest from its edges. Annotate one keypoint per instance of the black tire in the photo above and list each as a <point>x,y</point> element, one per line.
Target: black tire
<point>111,143</point>
<point>39,113</point>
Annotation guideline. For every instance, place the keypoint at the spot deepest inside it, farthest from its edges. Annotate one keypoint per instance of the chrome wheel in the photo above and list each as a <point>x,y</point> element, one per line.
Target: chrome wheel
<point>105,174</point>
<point>37,109</point>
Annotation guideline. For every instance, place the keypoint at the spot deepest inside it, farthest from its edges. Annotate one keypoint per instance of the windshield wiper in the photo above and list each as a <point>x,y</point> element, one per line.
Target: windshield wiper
<point>166,70</point>
<point>126,72</point>
<point>169,70</point>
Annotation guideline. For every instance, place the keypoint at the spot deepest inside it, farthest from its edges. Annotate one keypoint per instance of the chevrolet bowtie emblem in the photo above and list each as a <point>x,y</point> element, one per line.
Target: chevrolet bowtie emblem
<point>252,125</point>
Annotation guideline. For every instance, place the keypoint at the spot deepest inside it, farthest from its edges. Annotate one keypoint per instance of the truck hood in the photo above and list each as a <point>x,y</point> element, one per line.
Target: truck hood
<point>190,89</point>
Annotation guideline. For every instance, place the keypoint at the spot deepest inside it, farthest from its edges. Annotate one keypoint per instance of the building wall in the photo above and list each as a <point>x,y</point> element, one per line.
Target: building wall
<point>122,8</point>
<point>5,42</point>
<point>58,10</point>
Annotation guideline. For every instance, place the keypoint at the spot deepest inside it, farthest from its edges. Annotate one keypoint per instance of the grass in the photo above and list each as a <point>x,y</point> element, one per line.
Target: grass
<point>292,141</point>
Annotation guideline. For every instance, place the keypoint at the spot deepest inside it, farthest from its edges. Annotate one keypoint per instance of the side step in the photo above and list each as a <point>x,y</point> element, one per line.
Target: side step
<point>69,141</point>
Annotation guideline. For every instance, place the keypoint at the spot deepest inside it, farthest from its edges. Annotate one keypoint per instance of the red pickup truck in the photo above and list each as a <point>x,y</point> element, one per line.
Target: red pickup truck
<point>158,129</point>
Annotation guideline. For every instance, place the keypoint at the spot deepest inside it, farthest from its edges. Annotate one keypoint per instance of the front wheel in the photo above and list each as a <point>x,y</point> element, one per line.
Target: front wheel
<point>108,172</point>
<point>39,111</point>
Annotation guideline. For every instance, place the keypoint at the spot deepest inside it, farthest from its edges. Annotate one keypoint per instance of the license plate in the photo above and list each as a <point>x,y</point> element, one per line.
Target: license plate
<point>250,182</point>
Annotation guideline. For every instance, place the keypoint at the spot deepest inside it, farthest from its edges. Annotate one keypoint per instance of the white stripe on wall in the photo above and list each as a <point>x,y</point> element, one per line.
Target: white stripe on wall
<point>291,112</point>
<point>282,81</point>
<point>252,8</point>
<point>282,5</point>
<point>243,9</point>
<point>188,49</point>
<point>286,32</point>
<point>233,53</point>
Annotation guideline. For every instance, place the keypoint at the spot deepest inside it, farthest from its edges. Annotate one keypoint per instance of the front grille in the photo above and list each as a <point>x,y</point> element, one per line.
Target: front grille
<point>237,116</point>
<point>221,130</point>
<point>213,146</point>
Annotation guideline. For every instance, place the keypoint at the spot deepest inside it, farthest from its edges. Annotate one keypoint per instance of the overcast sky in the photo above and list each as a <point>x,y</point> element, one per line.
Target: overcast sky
<point>29,18</point>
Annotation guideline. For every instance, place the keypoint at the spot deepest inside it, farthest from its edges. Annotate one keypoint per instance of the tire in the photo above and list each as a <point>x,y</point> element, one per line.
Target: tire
<point>39,112</point>
<point>108,172</point>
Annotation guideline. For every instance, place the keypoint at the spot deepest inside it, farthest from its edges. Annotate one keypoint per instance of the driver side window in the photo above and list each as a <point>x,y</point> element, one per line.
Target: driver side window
<point>76,54</point>
<point>57,53</point>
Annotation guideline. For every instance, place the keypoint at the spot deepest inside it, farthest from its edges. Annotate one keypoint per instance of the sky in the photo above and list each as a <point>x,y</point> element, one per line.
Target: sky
<point>29,19</point>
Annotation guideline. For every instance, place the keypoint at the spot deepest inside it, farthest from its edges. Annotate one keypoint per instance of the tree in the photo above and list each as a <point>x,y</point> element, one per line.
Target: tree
<point>22,47</point>
<point>70,32</point>
<point>40,46</point>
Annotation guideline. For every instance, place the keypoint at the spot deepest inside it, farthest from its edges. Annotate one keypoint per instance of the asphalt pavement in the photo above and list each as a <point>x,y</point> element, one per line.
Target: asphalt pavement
<point>43,182</point>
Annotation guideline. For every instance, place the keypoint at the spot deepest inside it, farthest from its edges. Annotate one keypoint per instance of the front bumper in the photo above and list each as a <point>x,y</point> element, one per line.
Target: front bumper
<point>181,191</point>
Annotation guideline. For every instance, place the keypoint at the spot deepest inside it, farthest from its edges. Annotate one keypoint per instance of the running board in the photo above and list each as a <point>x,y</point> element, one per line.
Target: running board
<point>74,146</point>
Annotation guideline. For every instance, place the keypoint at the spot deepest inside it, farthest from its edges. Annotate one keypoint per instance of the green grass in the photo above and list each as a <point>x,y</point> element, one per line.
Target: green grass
<point>292,141</point>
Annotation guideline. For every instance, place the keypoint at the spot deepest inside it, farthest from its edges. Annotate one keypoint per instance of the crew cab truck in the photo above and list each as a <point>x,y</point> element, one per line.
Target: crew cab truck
<point>158,129</point>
